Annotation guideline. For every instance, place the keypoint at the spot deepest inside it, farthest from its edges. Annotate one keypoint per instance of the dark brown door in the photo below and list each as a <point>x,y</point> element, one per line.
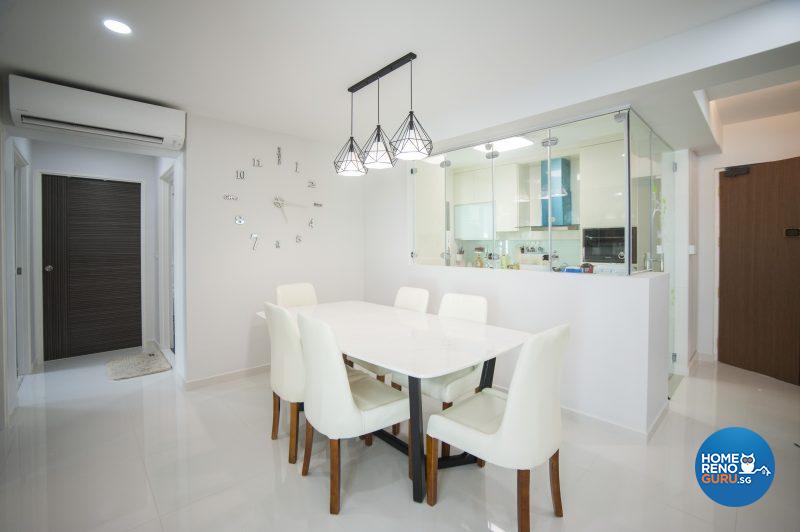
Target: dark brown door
<point>91,252</point>
<point>759,268</point>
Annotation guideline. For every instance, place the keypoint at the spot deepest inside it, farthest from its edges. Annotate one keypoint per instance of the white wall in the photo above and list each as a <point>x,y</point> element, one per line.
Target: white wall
<point>79,161</point>
<point>227,281</point>
<point>23,147</point>
<point>617,363</point>
<point>755,141</point>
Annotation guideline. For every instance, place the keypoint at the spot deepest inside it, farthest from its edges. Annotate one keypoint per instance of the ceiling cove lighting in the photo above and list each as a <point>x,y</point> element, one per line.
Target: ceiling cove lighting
<point>116,26</point>
<point>511,143</point>
<point>411,142</point>
<point>378,151</point>
<point>349,160</point>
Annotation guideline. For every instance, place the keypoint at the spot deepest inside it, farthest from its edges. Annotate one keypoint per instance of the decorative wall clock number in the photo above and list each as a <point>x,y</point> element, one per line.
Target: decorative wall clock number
<point>312,183</point>
<point>298,239</point>
<point>239,220</point>
<point>277,244</point>
<point>278,155</point>
<point>317,204</point>
<point>256,162</point>
<point>239,174</point>
<point>254,238</point>
<point>311,223</point>
<point>230,197</point>
<point>296,167</point>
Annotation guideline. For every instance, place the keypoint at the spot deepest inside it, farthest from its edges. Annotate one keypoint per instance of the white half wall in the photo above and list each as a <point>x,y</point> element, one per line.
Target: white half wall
<point>78,161</point>
<point>227,281</point>
<point>754,141</point>
<point>617,363</point>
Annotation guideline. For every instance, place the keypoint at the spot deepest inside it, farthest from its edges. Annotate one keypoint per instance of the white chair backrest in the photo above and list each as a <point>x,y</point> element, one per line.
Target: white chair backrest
<point>410,298</point>
<point>296,295</point>
<point>287,370</point>
<point>464,307</point>
<point>530,431</point>
<point>329,404</point>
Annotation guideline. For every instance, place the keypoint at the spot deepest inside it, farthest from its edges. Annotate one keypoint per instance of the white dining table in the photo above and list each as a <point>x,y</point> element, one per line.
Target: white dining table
<point>421,346</point>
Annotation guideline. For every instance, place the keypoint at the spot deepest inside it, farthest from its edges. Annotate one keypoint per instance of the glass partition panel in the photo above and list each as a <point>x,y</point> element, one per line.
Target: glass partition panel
<point>587,195</point>
<point>469,198</point>
<point>641,195</point>
<point>430,211</point>
<point>521,234</point>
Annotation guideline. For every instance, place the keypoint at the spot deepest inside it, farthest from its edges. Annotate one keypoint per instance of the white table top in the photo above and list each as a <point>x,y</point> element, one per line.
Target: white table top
<point>416,344</point>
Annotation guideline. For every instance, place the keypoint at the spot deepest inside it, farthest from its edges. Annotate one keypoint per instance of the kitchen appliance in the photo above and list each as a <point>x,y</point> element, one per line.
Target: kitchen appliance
<point>607,244</point>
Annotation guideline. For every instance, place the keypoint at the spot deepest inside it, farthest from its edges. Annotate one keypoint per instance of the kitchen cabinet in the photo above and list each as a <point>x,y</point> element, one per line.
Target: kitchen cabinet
<point>472,186</point>
<point>602,185</point>
<point>506,197</point>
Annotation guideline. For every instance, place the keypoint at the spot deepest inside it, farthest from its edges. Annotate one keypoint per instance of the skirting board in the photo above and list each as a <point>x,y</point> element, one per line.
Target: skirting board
<point>224,377</point>
<point>640,433</point>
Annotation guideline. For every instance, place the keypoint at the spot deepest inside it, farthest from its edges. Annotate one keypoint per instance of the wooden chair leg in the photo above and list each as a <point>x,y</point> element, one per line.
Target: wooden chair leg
<point>368,439</point>
<point>294,420</point>
<point>555,486</point>
<point>307,450</point>
<point>335,477</point>
<point>276,414</point>
<point>347,360</point>
<point>432,468</point>
<point>446,446</point>
<point>381,378</point>
<point>481,463</point>
<point>396,426</point>
<point>523,500</point>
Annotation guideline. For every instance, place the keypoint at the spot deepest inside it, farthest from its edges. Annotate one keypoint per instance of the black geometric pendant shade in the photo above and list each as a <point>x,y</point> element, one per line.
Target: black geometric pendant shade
<point>349,160</point>
<point>411,142</point>
<point>378,151</point>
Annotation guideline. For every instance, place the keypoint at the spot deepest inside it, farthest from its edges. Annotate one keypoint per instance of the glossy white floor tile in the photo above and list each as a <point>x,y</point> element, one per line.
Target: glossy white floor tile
<point>88,454</point>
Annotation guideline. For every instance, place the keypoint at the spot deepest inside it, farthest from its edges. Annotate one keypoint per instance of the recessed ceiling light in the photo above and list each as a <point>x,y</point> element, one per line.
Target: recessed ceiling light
<point>116,26</point>
<point>511,143</point>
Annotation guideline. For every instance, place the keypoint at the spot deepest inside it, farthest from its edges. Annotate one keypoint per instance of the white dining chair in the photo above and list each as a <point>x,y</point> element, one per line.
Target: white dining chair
<point>519,430</point>
<point>296,295</point>
<point>337,409</point>
<point>287,371</point>
<point>448,388</point>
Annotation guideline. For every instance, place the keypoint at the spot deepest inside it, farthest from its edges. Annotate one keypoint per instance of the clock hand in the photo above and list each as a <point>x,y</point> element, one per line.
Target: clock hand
<point>283,212</point>
<point>289,203</point>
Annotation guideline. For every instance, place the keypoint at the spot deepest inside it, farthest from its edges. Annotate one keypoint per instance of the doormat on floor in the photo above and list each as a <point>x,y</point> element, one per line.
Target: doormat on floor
<point>136,366</point>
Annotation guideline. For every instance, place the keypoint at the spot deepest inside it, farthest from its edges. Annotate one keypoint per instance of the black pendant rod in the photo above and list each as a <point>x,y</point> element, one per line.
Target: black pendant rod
<point>394,65</point>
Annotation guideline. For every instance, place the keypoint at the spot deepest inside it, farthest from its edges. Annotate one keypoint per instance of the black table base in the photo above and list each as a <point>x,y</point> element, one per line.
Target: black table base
<point>417,435</point>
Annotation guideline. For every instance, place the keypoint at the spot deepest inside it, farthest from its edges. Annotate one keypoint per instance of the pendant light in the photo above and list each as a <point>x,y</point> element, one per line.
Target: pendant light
<point>411,142</point>
<point>349,160</point>
<point>378,151</point>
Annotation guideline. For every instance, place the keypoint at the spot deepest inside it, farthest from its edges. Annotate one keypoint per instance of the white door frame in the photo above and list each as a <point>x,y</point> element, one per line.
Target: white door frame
<point>165,262</point>
<point>37,252</point>
<point>23,297</point>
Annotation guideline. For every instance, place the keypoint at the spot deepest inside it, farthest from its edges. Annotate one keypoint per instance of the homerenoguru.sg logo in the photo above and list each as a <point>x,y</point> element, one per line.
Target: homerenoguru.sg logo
<point>735,466</point>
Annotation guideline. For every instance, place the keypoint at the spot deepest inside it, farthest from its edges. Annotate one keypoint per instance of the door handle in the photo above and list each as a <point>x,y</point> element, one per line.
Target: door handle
<point>792,232</point>
<point>48,268</point>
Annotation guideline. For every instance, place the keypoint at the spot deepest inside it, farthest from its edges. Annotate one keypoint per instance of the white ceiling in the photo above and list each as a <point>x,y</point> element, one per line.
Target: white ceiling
<point>284,65</point>
<point>761,103</point>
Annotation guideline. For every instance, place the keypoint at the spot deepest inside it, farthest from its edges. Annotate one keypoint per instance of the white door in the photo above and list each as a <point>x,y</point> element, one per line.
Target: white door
<point>22,284</point>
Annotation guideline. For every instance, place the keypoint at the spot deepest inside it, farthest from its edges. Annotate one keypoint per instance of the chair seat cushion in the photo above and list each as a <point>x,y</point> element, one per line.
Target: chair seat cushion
<point>380,405</point>
<point>447,388</point>
<point>377,370</point>
<point>470,424</point>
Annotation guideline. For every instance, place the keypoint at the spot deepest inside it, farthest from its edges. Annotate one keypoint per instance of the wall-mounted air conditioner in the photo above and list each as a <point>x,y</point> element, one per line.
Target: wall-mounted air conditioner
<point>47,106</point>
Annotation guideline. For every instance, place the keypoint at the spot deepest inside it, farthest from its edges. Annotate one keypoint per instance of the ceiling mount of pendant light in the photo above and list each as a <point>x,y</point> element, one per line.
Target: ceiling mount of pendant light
<point>411,142</point>
<point>349,161</point>
<point>378,151</point>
